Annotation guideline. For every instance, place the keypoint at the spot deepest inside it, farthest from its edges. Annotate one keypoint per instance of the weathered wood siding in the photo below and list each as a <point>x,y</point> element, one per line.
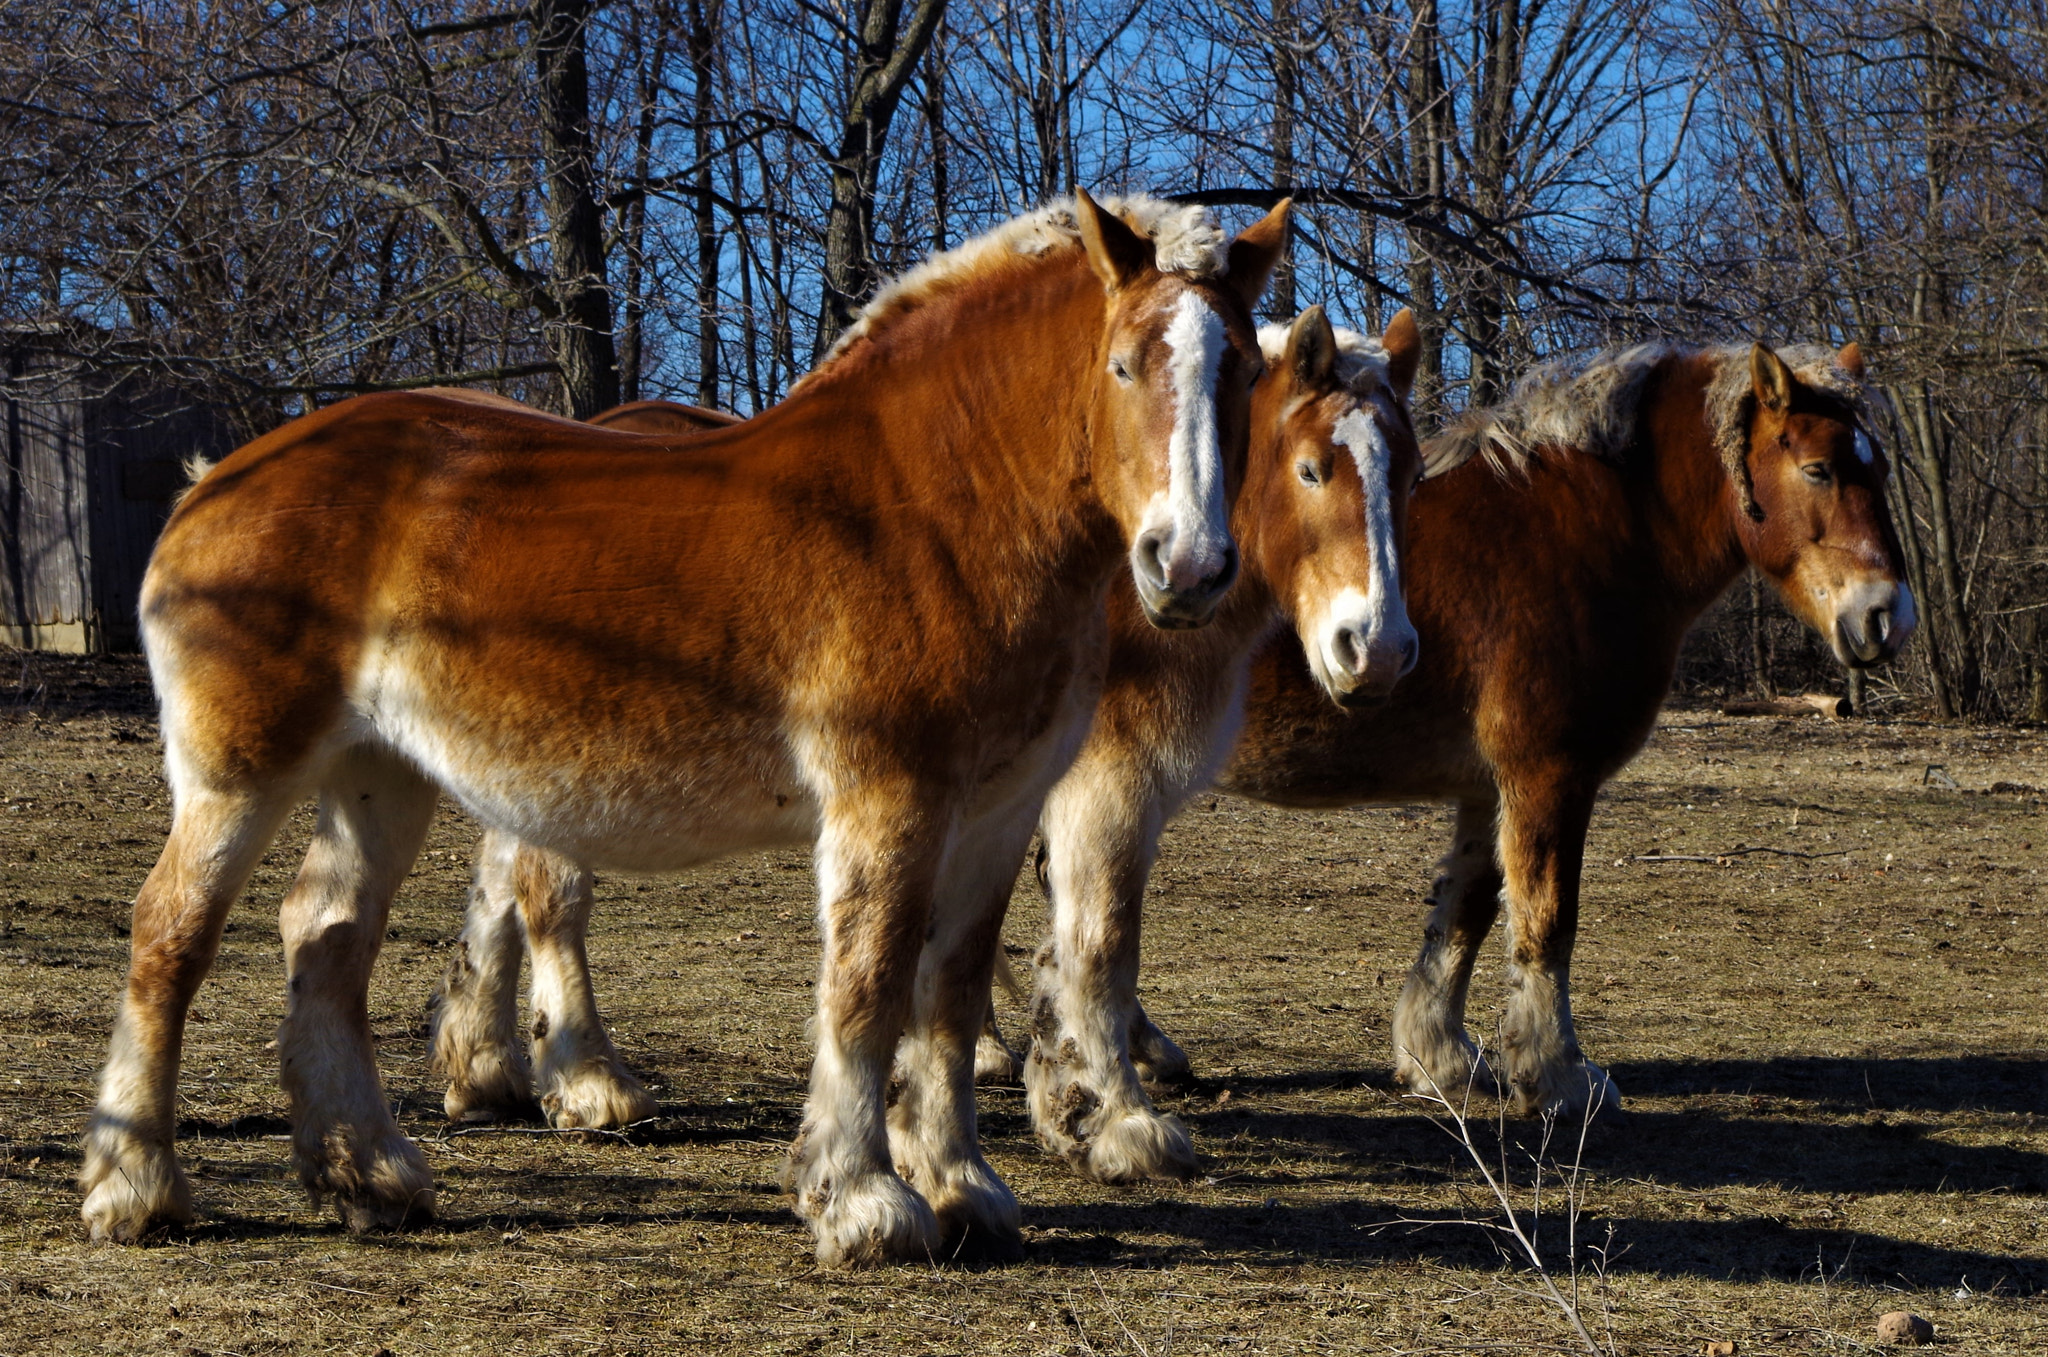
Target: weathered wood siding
<point>89,481</point>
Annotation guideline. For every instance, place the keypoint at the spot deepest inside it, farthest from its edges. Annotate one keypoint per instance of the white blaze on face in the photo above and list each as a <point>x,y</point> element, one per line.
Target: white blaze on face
<point>1200,520</point>
<point>1377,620</point>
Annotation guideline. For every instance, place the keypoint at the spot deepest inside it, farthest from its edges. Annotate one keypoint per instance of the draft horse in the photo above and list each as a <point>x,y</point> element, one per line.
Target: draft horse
<point>1574,534</point>
<point>1333,454</point>
<point>869,619</point>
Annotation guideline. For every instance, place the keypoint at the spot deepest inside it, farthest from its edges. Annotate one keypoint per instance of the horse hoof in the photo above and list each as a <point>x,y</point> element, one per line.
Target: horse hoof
<point>600,1097</point>
<point>869,1221</point>
<point>131,1189</point>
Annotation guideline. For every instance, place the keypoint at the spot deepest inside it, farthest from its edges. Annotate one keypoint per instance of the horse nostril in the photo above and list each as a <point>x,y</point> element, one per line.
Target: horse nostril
<point>1410,648</point>
<point>1347,648</point>
<point>1151,560</point>
<point>1879,625</point>
<point>1226,575</point>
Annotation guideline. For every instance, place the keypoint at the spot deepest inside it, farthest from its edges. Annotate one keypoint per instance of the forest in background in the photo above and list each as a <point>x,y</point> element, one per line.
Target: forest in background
<point>274,206</point>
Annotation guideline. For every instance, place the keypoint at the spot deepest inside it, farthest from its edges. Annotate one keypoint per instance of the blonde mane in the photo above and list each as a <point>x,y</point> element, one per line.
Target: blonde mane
<point>1361,361</point>
<point>1185,239</point>
<point>1593,407</point>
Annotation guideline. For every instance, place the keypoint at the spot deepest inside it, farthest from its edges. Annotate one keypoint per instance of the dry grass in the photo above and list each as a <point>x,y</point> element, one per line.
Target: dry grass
<point>1836,1069</point>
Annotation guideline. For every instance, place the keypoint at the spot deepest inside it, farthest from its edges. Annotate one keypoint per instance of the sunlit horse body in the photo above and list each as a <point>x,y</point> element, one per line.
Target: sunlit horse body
<point>868,619</point>
<point>1551,576</point>
<point>1332,457</point>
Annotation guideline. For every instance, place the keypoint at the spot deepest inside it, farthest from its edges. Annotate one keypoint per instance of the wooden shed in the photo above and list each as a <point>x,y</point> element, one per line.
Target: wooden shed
<point>92,468</point>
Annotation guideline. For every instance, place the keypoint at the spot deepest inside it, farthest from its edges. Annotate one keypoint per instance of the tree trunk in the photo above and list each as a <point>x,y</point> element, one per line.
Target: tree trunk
<point>1286,90</point>
<point>703,40</point>
<point>889,52</point>
<point>582,336</point>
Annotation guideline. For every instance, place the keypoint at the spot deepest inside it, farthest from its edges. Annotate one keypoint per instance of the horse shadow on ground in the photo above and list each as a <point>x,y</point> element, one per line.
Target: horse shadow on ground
<point>1968,1083</point>
<point>1371,1234</point>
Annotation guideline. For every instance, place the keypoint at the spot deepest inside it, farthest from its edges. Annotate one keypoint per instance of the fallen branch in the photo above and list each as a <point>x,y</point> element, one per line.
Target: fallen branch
<point>1806,704</point>
<point>1731,853</point>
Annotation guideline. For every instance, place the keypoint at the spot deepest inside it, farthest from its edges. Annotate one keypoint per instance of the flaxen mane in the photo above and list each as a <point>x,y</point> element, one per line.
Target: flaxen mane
<point>1361,361</point>
<point>1592,407</point>
<point>1185,239</point>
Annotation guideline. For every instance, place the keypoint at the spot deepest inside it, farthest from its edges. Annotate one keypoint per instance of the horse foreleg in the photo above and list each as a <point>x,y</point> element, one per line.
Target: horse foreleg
<point>130,1172</point>
<point>1542,850</point>
<point>374,811</point>
<point>582,1081</point>
<point>1101,826</point>
<point>1432,1052</point>
<point>475,1016</point>
<point>932,1132</point>
<point>877,866</point>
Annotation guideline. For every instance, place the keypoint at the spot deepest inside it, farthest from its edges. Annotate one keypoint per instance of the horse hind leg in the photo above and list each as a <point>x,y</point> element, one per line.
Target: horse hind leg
<point>582,1081</point>
<point>1157,1057</point>
<point>474,1016</point>
<point>994,1062</point>
<point>374,812</point>
<point>130,1172</point>
<point>1433,1054</point>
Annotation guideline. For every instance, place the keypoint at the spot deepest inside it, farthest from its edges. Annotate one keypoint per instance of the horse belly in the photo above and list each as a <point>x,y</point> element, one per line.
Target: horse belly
<point>674,786</point>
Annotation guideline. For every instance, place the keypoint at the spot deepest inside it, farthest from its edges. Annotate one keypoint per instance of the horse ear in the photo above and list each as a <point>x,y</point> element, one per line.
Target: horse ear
<point>1403,343</point>
<point>1850,359</point>
<point>1116,252</point>
<point>1771,378</point>
<point>1311,349</point>
<point>1253,254</point>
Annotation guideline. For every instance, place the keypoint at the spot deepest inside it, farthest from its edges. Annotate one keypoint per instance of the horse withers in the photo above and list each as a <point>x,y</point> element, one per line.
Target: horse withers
<point>869,618</point>
<point>1552,575</point>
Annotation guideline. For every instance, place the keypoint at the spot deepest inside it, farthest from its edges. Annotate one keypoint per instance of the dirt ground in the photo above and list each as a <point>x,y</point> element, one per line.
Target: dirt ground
<point>1835,1067</point>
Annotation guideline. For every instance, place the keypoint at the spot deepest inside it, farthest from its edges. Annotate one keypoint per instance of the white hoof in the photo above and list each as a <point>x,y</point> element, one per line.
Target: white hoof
<point>599,1096</point>
<point>131,1188</point>
<point>1457,1072</point>
<point>496,1088</point>
<point>1140,1145</point>
<point>379,1184</point>
<point>978,1216</point>
<point>995,1062</point>
<point>1573,1091</point>
<point>873,1219</point>
<point>1158,1059</point>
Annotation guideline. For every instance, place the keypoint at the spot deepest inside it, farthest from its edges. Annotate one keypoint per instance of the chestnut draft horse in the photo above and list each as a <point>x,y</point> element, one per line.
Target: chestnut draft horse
<point>869,618</point>
<point>1333,454</point>
<point>1551,577</point>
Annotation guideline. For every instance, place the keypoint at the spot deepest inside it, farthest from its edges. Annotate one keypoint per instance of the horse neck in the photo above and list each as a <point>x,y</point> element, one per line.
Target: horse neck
<point>1694,512</point>
<point>964,391</point>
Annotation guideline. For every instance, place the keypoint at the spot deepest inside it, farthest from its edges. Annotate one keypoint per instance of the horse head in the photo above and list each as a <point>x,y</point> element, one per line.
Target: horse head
<point>1818,525</point>
<point>1172,393</point>
<point>1325,505</point>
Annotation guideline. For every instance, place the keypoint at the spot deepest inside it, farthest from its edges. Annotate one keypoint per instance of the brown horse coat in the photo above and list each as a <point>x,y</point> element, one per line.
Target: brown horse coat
<point>866,617</point>
<point>1552,577</point>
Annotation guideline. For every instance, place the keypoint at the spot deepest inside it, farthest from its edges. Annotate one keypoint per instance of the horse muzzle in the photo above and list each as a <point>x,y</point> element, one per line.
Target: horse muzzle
<point>1360,664</point>
<point>1179,588</point>
<point>1873,622</point>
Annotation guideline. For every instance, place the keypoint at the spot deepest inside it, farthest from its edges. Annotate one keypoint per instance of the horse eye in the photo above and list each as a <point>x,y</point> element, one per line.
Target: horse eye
<point>1308,473</point>
<point>1818,472</point>
<point>1123,374</point>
